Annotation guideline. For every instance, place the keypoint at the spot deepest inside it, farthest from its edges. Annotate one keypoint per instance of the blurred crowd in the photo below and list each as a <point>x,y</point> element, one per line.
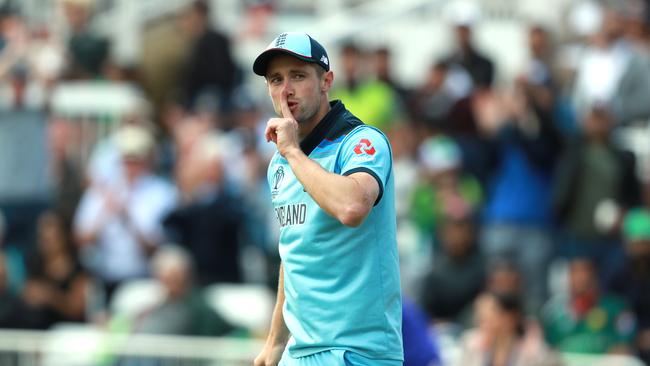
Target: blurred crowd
<point>523,216</point>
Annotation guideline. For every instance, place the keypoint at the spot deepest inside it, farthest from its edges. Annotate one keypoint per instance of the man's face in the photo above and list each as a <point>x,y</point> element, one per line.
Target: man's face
<point>464,35</point>
<point>134,167</point>
<point>537,41</point>
<point>299,81</point>
<point>582,278</point>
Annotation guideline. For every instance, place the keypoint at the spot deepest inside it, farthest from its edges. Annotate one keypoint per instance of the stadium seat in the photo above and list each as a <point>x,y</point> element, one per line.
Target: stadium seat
<point>133,297</point>
<point>248,306</point>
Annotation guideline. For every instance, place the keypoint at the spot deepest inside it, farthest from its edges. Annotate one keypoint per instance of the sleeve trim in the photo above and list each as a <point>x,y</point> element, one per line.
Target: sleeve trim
<point>374,175</point>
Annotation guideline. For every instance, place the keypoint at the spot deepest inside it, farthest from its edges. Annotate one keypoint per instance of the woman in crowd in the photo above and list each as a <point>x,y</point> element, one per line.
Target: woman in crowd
<point>500,337</point>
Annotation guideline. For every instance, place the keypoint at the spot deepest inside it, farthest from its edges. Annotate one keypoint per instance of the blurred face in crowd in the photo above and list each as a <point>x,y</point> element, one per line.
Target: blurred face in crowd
<point>639,249</point>
<point>538,42</point>
<point>582,278</point>
<point>193,21</point>
<point>445,179</point>
<point>597,124</point>
<point>175,277</point>
<point>76,14</point>
<point>350,60</point>
<point>135,167</point>
<point>613,25</point>
<point>457,237</point>
<point>436,77</point>
<point>464,36</point>
<point>486,315</point>
<point>51,236</point>
<point>382,63</point>
<point>505,279</point>
<point>493,319</point>
<point>305,86</point>
<point>213,170</point>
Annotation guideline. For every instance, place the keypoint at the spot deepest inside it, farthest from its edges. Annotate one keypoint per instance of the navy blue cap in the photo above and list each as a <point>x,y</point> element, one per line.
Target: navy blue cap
<point>299,45</point>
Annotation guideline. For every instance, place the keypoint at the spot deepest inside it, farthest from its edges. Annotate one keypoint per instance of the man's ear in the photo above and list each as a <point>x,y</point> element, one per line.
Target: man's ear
<point>328,79</point>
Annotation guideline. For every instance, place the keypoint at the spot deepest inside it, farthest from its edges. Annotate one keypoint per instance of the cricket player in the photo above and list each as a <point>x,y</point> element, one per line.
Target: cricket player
<point>331,183</point>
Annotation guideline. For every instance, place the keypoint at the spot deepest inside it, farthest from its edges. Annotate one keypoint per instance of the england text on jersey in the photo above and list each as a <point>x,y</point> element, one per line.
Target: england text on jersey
<point>292,214</point>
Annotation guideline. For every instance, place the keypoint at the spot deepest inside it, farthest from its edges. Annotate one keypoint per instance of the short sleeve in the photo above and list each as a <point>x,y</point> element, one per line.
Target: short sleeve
<point>367,150</point>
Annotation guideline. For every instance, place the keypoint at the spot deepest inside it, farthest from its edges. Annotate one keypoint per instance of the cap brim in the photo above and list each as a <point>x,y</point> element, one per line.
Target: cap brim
<point>262,61</point>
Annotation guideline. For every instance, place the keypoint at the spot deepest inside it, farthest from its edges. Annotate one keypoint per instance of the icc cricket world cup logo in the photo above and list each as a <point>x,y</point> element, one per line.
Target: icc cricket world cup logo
<point>277,180</point>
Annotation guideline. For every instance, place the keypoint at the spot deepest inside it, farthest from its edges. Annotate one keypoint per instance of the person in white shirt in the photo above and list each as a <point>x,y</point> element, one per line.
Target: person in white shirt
<point>119,225</point>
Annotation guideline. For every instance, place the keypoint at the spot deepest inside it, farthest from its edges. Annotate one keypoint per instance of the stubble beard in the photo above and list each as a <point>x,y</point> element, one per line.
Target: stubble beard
<point>306,114</point>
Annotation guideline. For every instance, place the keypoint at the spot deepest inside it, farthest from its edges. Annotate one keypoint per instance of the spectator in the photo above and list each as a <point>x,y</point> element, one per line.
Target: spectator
<point>517,216</point>
<point>119,225</point>
<point>66,175</point>
<point>210,219</point>
<point>383,62</point>
<point>87,50</point>
<point>588,319</point>
<point>633,280</point>
<point>431,103</point>
<point>504,277</point>
<point>56,285</point>
<point>500,337</point>
<point>538,80</point>
<point>612,72</point>
<point>458,273</point>
<point>468,74</point>
<point>582,207</point>
<point>480,68</point>
<point>373,101</point>
<point>444,189</point>
<point>211,73</point>
<point>184,310</point>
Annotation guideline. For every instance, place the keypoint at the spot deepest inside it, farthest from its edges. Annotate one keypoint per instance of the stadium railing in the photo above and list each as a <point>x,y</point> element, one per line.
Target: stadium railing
<point>91,347</point>
<point>79,346</point>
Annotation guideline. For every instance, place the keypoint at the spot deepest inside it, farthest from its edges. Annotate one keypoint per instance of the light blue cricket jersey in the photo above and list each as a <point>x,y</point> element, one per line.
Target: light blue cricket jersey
<point>341,284</point>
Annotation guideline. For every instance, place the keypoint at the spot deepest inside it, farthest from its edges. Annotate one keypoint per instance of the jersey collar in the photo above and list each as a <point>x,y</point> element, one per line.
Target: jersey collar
<point>322,129</point>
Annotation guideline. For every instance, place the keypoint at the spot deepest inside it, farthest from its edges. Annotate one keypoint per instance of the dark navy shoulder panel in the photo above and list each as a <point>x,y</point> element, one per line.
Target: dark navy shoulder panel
<point>336,123</point>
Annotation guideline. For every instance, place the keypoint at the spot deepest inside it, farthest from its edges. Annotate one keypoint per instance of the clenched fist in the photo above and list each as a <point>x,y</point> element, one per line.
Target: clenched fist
<point>270,355</point>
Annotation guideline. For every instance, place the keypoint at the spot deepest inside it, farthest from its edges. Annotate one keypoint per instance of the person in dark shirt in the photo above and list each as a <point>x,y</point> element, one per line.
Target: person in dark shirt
<point>87,51</point>
<point>480,68</point>
<point>211,73</point>
<point>209,220</point>
<point>55,289</point>
<point>458,274</point>
<point>579,204</point>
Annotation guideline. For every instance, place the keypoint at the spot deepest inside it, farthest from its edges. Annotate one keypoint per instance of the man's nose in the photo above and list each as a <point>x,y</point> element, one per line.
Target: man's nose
<point>287,88</point>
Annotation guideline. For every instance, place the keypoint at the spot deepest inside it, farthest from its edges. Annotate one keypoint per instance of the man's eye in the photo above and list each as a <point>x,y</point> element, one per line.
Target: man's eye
<point>275,80</point>
<point>299,76</point>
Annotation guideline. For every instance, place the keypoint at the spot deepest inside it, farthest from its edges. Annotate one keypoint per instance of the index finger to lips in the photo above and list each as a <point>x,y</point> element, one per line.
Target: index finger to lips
<point>284,107</point>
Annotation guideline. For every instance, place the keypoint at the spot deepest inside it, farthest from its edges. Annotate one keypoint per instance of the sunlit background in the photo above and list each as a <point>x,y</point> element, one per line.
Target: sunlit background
<point>135,218</point>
